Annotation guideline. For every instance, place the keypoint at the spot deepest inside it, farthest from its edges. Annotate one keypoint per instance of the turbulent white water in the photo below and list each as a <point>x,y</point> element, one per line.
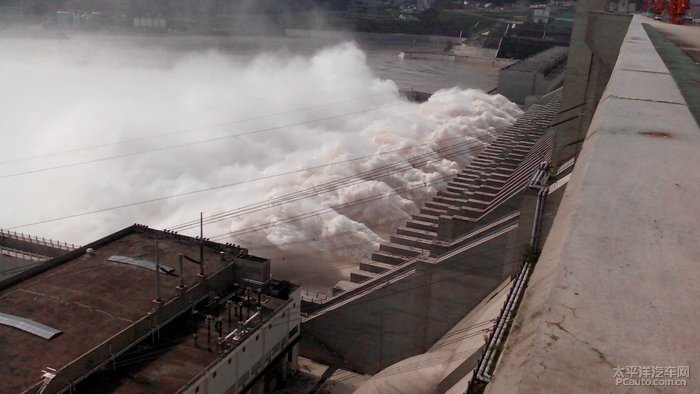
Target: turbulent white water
<point>231,119</point>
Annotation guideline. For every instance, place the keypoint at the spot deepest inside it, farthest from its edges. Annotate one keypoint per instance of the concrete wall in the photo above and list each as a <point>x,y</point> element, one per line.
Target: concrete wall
<point>544,85</point>
<point>516,85</point>
<point>407,316</point>
<point>617,282</point>
<point>591,57</point>
<point>253,271</point>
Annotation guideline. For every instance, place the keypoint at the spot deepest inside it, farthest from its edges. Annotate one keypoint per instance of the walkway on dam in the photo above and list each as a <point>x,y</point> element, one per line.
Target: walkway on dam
<point>616,291</point>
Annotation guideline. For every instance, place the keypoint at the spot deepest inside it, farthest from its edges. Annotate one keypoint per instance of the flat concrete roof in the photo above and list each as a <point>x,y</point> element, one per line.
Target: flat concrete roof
<point>617,284</point>
<point>90,300</point>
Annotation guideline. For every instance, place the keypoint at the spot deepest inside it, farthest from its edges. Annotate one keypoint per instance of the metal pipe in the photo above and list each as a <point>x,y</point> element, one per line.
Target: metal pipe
<point>537,225</point>
<point>501,41</point>
<point>491,343</point>
<point>157,273</point>
<point>497,336</point>
<point>182,274</point>
<point>250,319</point>
<point>247,303</point>
<point>229,305</point>
<point>209,330</point>
<point>505,322</point>
<point>201,244</point>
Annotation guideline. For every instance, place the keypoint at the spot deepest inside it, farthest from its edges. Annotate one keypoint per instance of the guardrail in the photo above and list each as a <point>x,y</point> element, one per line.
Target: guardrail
<point>39,241</point>
<point>20,254</point>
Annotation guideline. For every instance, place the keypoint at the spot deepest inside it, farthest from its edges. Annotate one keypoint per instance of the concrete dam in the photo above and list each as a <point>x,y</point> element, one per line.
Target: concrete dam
<point>465,241</point>
<point>561,252</point>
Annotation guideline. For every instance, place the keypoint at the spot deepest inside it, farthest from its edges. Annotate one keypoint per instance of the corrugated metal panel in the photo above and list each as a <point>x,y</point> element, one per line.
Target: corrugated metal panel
<point>29,326</point>
<point>141,263</point>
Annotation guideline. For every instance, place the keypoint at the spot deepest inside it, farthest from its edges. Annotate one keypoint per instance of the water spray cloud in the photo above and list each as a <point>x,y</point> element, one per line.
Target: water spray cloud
<point>85,95</point>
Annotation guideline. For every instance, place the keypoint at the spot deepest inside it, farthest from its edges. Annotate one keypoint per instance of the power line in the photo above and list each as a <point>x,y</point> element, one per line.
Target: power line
<point>191,192</point>
<point>186,144</point>
<point>184,131</point>
<point>370,175</point>
<point>326,210</point>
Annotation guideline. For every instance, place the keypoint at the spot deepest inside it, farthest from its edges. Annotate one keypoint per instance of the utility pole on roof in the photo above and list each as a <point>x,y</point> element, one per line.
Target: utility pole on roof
<point>201,244</point>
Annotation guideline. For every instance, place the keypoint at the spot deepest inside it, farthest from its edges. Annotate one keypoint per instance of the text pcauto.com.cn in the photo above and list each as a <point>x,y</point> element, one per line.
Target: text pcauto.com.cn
<point>647,375</point>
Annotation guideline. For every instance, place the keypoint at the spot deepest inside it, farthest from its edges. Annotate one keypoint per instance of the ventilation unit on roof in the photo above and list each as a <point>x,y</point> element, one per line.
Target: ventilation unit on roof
<point>29,326</point>
<point>142,263</point>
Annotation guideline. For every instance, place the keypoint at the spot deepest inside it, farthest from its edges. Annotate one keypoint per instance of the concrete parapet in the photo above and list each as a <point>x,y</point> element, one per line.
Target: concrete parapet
<point>619,270</point>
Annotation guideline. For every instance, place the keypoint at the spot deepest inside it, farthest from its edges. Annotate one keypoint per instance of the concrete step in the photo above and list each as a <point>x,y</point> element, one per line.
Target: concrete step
<point>478,204</point>
<point>458,202</point>
<point>461,189</point>
<point>479,162</point>
<point>468,176</point>
<point>359,276</point>
<point>437,205</point>
<point>445,193</point>
<point>388,258</point>
<point>465,178</point>
<point>472,212</point>
<point>343,286</point>
<point>426,218</point>
<point>499,176</point>
<point>445,200</point>
<point>432,211</point>
<point>427,226</point>
<point>490,155</point>
<point>415,242</point>
<point>401,250</point>
<point>418,233</point>
<point>495,183</point>
<point>509,165</point>
<point>376,267</point>
<point>435,249</point>
<point>487,189</point>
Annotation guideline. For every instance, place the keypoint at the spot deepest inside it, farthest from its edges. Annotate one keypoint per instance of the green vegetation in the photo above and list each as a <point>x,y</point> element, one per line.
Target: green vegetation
<point>683,69</point>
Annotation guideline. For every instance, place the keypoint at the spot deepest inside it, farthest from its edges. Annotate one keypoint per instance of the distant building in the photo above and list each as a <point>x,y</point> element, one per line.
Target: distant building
<point>79,19</point>
<point>541,15</point>
<point>137,312</point>
<point>150,23</point>
<point>622,6</point>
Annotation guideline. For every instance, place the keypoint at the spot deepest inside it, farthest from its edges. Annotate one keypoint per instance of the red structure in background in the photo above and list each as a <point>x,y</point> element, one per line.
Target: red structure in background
<point>674,8</point>
<point>677,9</point>
<point>659,7</point>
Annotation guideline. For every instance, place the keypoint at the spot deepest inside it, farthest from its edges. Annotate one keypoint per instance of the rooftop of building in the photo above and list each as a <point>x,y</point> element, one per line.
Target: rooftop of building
<point>93,301</point>
<point>185,348</point>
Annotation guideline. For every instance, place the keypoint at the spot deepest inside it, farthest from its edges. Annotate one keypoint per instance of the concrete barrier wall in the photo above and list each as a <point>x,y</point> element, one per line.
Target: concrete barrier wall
<point>619,270</point>
<point>398,38</point>
<point>516,85</point>
<point>407,316</point>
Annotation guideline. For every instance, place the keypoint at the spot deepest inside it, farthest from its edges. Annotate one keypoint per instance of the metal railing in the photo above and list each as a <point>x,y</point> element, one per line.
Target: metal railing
<point>39,241</point>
